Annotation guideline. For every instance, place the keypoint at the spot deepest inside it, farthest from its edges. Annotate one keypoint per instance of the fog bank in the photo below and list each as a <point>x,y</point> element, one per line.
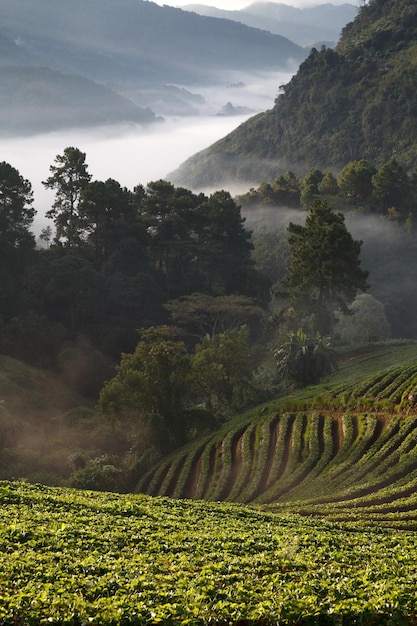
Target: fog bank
<point>129,154</point>
<point>133,154</point>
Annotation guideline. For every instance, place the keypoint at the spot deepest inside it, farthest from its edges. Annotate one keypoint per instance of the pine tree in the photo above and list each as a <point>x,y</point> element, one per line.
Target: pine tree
<point>324,272</point>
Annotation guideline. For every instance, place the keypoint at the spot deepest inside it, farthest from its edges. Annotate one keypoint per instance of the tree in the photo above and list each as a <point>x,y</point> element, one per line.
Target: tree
<point>110,218</point>
<point>172,218</point>
<point>69,177</point>
<point>328,184</point>
<point>222,370</point>
<point>197,243</point>
<point>309,187</point>
<point>392,187</point>
<point>366,322</point>
<point>355,181</point>
<point>17,243</point>
<point>150,387</point>
<point>202,314</point>
<point>286,190</point>
<point>16,210</point>
<point>304,360</point>
<point>226,245</point>
<point>324,272</point>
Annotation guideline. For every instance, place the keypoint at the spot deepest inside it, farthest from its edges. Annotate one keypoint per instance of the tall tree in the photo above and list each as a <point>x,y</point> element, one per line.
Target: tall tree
<point>225,245</point>
<point>309,187</point>
<point>355,181</point>
<point>392,187</point>
<point>324,272</point>
<point>16,241</point>
<point>222,370</point>
<point>68,178</point>
<point>197,243</point>
<point>16,210</point>
<point>110,218</point>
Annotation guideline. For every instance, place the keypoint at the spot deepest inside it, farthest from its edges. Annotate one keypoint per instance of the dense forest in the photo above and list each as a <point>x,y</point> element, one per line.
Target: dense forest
<point>356,101</point>
<point>164,312</point>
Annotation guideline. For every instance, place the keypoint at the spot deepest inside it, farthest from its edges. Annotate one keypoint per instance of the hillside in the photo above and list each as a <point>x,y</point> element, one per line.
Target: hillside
<point>44,422</point>
<point>356,101</point>
<point>305,26</point>
<point>345,450</point>
<point>36,100</point>
<point>327,534</point>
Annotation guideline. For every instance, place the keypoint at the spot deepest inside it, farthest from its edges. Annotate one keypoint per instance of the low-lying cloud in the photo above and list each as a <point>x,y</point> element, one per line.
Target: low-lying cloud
<point>135,155</point>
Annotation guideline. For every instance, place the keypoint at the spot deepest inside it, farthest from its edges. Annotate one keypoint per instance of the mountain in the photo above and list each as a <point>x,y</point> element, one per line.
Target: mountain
<point>305,26</point>
<point>36,100</point>
<point>136,41</point>
<point>145,53</point>
<point>356,101</point>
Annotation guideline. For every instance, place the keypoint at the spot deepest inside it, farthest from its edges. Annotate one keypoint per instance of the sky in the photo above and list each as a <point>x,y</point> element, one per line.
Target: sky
<point>230,5</point>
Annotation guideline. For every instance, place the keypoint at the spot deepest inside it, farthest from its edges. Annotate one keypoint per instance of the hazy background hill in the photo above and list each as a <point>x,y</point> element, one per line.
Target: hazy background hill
<point>133,47</point>
<point>356,101</point>
<point>305,26</point>
<point>34,100</point>
<point>131,41</point>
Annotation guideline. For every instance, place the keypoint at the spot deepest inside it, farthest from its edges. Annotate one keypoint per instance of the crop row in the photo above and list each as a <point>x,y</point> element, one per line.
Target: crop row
<point>71,557</point>
<point>394,389</point>
<point>299,460</point>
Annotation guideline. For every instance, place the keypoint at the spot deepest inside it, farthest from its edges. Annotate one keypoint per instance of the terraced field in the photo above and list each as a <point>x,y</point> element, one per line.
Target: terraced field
<point>347,453</point>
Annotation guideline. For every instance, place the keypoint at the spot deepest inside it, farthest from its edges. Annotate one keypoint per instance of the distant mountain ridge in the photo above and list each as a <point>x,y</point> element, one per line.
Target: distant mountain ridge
<point>34,100</point>
<point>137,40</point>
<point>305,26</point>
<point>356,101</point>
<point>127,45</point>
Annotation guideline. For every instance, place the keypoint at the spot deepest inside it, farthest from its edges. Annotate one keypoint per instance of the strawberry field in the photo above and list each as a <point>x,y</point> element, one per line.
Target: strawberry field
<point>71,557</point>
<point>347,453</point>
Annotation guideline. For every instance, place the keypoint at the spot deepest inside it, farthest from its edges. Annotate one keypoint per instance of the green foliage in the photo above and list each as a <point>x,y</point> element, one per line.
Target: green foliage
<point>345,104</point>
<point>99,474</point>
<point>222,370</point>
<point>305,360</point>
<point>355,181</point>
<point>68,178</point>
<point>134,559</point>
<point>150,385</point>
<point>324,272</point>
<point>201,314</point>
<point>16,210</point>
<point>366,322</point>
<point>392,187</point>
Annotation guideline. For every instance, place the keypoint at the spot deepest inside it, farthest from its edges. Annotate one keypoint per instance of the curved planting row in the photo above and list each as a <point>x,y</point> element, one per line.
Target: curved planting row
<point>312,463</point>
<point>345,464</point>
<point>391,390</point>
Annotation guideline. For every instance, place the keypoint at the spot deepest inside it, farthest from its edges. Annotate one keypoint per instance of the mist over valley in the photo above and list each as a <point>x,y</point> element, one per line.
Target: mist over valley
<point>208,305</point>
<point>136,154</point>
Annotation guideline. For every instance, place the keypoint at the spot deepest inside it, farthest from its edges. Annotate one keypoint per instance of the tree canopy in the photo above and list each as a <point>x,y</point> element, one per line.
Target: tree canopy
<point>324,272</point>
<point>69,176</point>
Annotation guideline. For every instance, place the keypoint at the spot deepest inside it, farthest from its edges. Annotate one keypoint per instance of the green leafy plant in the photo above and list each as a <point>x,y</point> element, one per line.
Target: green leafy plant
<point>304,360</point>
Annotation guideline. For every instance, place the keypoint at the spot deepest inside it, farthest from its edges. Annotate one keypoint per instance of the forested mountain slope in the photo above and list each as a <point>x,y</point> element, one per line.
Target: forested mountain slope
<point>356,101</point>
